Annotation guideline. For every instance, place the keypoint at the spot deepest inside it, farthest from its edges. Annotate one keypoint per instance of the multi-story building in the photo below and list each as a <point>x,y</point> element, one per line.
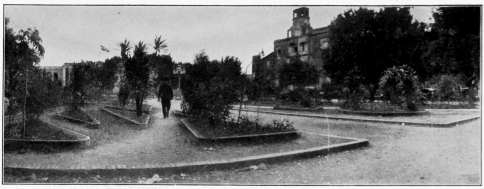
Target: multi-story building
<point>302,40</point>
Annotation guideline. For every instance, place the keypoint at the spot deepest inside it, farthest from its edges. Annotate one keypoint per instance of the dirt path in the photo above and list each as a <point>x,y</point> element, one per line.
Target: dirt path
<point>146,146</point>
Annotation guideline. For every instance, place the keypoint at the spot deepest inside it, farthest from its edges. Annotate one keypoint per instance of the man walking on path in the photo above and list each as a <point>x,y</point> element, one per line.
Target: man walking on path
<point>166,94</point>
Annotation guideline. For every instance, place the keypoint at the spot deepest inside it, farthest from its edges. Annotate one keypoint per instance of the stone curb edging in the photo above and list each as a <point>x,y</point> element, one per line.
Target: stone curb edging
<point>298,109</point>
<point>448,124</point>
<point>119,108</point>
<point>351,112</point>
<point>95,123</point>
<point>194,166</point>
<point>145,124</point>
<point>201,137</point>
<point>82,139</point>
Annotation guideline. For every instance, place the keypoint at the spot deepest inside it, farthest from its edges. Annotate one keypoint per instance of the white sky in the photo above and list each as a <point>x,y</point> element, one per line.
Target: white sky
<point>75,33</point>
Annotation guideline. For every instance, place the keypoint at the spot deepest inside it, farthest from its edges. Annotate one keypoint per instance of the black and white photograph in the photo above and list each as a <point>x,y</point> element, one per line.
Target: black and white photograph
<point>276,94</point>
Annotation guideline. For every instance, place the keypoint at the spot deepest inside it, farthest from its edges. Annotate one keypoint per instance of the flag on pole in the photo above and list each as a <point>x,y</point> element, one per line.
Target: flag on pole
<point>104,49</point>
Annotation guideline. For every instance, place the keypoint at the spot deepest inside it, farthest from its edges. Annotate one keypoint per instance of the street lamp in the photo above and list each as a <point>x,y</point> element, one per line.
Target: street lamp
<point>179,70</point>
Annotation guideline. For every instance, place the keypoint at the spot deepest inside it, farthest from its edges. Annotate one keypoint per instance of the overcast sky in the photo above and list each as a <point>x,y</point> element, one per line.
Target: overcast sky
<point>75,33</point>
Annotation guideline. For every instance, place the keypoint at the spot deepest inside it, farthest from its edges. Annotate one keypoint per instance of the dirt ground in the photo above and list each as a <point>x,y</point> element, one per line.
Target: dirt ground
<point>397,155</point>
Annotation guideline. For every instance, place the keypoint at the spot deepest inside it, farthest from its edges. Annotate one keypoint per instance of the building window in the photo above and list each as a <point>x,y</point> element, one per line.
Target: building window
<point>279,52</point>
<point>324,43</point>
<point>56,77</point>
<point>303,46</point>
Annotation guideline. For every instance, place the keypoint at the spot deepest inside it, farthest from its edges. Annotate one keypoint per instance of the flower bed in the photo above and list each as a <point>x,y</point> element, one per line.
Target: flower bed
<point>129,115</point>
<point>231,130</point>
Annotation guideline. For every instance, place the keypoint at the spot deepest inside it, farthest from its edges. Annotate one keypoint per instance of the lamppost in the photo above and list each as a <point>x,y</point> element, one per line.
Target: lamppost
<point>179,70</point>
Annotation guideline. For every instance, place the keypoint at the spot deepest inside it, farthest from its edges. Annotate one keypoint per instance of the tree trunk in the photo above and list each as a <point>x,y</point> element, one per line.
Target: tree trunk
<point>139,105</point>
<point>372,91</point>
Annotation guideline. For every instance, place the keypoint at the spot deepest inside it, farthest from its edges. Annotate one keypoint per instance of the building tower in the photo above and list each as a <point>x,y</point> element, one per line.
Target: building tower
<point>300,23</point>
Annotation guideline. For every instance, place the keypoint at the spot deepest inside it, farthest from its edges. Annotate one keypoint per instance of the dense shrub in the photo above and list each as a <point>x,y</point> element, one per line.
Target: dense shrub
<point>331,91</point>
<point>210,87</point>
<point>400,84</point>
<point>247,125</point>
<point>447,87</point>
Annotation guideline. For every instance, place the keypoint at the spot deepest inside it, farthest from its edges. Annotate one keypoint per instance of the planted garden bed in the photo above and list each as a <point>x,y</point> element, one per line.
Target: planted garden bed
<point>231,130</point>
<point>79,115</point>
<point>382,109</point>
<point>128,115</point>
<point>297,108</point>
<point>41,133</point>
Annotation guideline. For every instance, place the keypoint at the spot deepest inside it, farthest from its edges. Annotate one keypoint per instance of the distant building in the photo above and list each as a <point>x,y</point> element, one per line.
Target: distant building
<point>60,72</point>
<point>301,40</point>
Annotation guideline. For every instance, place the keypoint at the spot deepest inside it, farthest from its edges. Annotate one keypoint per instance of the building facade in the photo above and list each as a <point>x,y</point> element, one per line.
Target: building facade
<point>60,72</point>
<point>302,40</point>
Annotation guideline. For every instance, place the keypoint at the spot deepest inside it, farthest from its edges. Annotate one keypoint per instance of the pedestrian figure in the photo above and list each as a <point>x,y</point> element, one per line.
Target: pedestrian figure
<point>245,100</point>
<point>166,94</point>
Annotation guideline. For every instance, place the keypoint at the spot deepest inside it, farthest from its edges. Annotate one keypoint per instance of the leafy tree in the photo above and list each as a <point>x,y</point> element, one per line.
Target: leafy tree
<point>298,73</point>
<point>457,49</point>
<point>363,43</point>
<point>108,71</point>
<point>162,66</point>
<point>23,50</point>
<point>84,82</point>
<point>137,75</point>
<point>210,87</point>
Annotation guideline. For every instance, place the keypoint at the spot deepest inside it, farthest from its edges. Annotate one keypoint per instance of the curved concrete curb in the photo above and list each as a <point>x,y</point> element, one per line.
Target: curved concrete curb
<point>144,124</point>
<point>193,166</point>
<point>201,137</point>
<point>299,109</point>
<point>95,123</point>
<point>448,124</point>
<point>144,111</point>
<point>82,139</point>
<point>351,112</point>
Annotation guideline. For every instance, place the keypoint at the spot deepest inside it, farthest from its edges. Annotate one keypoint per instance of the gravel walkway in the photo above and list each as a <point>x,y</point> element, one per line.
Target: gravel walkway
<point>397,155</point>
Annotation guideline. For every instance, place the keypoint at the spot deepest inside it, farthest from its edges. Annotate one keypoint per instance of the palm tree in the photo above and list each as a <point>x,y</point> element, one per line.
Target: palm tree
<point>137,75</point>
<point>125,48</point>
<point>123,87</point>
<point>160,45</point>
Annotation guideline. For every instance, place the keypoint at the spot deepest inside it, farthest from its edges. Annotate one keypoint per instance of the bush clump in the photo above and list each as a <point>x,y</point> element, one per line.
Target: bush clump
<point>210,87</point>
<point>400,85</point>
<point>247,126</point>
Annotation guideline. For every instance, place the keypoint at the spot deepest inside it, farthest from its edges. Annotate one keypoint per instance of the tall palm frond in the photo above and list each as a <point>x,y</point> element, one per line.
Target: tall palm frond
<point>125,48</point>
<point>160,44</point>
